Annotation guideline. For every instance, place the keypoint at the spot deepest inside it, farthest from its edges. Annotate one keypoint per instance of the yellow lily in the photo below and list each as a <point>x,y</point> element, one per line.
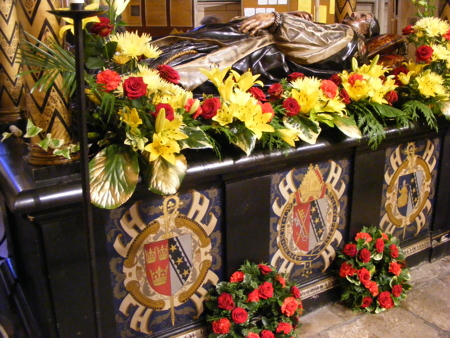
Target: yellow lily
<point>288,135</point>
<point>130,117</point>
<point>162,146</point>
<point>257,121</point>
<point>84,22</point>
<point>168,129</point>
<point>120,5</point>
<point>215,75</point>
<point>246,80</point>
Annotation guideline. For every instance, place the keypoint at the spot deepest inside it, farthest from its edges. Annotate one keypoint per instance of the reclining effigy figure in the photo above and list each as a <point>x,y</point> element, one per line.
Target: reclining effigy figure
<point>270,44</point>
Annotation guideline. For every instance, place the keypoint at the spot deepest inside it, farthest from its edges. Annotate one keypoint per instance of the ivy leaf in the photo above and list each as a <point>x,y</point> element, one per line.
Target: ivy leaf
<point>306,129</point>
<point>246,140</point>
<point>197,139</point>
<point>114,174</point>
<point>32,130</point>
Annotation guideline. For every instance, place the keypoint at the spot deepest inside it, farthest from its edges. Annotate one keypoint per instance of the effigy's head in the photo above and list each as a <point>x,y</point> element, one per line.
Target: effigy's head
<point>364,23</point>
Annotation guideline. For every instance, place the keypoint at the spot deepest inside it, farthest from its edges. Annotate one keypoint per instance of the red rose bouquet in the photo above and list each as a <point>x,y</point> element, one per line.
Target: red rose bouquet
<point>257,302</point>
<point>372,272</point>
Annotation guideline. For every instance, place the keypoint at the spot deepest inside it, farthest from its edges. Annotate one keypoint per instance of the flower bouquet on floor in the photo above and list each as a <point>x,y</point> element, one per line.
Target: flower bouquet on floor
<point>257,302</point>
<point>372,272</point>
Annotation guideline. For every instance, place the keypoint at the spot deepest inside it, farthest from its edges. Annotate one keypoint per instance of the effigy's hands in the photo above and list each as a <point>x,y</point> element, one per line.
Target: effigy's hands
<point>255,23</point>
<point>303,15</point>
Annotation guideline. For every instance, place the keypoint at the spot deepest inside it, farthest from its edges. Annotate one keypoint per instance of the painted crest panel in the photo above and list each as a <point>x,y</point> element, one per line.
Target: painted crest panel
<point>308,217</point>
<point>409,188</point>
<point>164,255</point>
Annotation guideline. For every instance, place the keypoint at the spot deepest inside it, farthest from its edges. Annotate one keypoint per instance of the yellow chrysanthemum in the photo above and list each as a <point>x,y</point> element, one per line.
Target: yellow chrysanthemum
<point>307,93</point>
<point>151,52</point>
<point>131,44</point>
<point>164,147</point>
<point>431,84</point>
<point>121,59</point>
<point>433,27</point>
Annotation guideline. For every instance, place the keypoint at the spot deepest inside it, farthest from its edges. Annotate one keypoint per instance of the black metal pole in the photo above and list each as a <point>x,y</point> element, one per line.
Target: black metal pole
<point>77,15</point>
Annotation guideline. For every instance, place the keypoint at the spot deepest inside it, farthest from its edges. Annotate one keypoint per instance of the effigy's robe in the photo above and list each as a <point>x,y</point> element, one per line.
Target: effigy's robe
<point>296,46</point>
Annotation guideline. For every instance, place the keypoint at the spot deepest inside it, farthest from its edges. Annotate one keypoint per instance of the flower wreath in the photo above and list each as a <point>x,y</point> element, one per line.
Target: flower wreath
<point>257,302</point>
<point>372,272</point>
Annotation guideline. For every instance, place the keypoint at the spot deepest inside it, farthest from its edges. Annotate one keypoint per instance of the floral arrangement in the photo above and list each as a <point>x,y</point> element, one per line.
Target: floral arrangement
<point>372,272</point>
<point>142,123</point>
<point>257,302</point>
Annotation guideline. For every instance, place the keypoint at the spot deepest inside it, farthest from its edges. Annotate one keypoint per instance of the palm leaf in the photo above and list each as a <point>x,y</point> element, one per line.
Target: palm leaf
<point>48,61</point>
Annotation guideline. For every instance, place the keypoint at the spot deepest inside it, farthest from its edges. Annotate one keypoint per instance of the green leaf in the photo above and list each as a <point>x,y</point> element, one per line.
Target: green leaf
<point>114,173</point>
<point>32,130</point>
<point>246,140</point>
<point>413,106</point>
<point>197,139</point>
<point>95,63</point>
<point>6,135</point>
<point>306,129</point>
<point>65,152</point>
<point>347,125</point>
<point>163,177</point>
<point>378,256</point>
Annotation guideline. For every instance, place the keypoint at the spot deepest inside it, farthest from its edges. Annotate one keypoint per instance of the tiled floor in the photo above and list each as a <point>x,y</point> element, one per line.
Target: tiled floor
<point>424,314</point>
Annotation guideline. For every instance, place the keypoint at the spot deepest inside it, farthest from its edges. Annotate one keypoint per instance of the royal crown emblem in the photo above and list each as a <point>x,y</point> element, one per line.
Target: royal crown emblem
<point>159,277</point>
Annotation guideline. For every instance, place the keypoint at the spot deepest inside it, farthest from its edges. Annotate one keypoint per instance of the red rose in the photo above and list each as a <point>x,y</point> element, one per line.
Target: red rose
<point>257,93</point>
<point>265,290</point>
<point>102,28</point>
<point>267,108</point>
<point>424,53</point>
<point>394,250</point>
<point>236,277</point>
<point>291,106</point>
<point>169,74</point>
<point>221,326</point>
<point>346,269</point>
<point>239,315</point>
<point>109,78</point>
<point>363,275</point>
<point>284,328</point>
<point>367,301</point>
<point>391,97</point>
<point>252,335</point>
<point>295,292</point>
<point>264,269</point>
<point>225,301</point>
<point>134,87</point>
<point>210,107</point>
<point>379,245</point>
<point>363,235</point>
<point>350,250</point>
<point>344,96</point>
<point>398,70</point>
<point>364,255</point>
<point>385,236</point>
<point>329,88</point>
<point>373,288</point>
<point>253,296</point>
<point>408,30</point>
<point>281,280</point>
<point>294,76</point>
<point>275,91</point>
<point>170,114</point>
<point>395,268</point>
<point>267,334</point>
<point>290,305</point>
<point>336,79</point>
<point>355,77</point>
<point>385,300</point>
<point>397,290</point>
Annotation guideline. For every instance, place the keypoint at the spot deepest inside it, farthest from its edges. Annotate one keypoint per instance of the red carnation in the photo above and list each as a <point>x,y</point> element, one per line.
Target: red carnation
<point>346,269</point>
<point>237,277</point>
<point>221,326</point>
<point>395,268</point>
<point>336,79</point>
<point>295,292</point>
<point>283,328</point>
<point>391,97</point>
<point>394,250</point>
<point>109,78</point>
<point>267,334</point>
<point>329,88</point>
<point>168,73</point>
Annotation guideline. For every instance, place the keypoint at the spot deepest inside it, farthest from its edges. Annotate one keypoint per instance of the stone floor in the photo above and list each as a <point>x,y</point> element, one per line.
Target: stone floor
<point>424,314</point>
